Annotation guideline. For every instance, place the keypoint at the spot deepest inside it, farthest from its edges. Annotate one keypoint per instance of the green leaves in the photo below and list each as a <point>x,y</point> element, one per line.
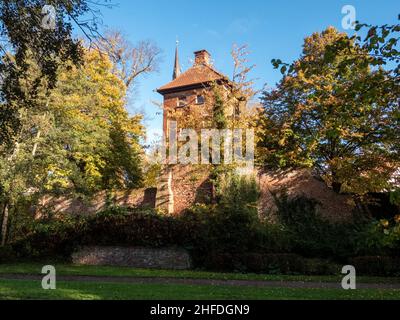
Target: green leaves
<point>276,63</point>
<point>104,140</point>
<point>22,33</point>
<point>331,110</point>
<point>284,67</point>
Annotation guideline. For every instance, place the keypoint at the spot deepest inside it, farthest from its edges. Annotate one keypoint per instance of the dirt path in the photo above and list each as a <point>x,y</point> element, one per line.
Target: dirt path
<point>244,283</point>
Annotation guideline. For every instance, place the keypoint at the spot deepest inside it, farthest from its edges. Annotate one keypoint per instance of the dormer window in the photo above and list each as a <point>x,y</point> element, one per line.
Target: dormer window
<point>200,99</point>
<point>182,102</point>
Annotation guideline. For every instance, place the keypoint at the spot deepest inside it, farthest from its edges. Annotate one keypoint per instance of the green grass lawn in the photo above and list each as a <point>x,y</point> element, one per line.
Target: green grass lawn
<point>30,289</point>
<point>74,270</point>
<point>21,289</point>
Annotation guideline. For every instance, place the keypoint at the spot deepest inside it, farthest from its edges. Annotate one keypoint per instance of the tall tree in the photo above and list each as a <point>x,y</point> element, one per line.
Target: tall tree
<point>131,61</point>
<point>80,141</point>
<point>22,32</point>
<point>101,138</point>
<point>338,118</point>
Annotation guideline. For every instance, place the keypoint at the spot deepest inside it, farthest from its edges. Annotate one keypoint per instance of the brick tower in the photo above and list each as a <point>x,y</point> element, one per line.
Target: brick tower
<point>188,92</point>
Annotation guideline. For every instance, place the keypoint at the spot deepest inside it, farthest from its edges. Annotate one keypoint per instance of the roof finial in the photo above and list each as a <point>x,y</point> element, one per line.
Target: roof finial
<point>177,67</point>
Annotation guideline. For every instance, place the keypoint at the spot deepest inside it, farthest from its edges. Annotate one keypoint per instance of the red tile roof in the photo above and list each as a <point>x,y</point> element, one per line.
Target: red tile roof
<point>196,75</point>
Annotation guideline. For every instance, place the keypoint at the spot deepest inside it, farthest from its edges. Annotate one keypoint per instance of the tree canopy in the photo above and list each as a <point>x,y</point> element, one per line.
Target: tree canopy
<point>79,141</point>
<point>337,115</point>
<point>23,37</point>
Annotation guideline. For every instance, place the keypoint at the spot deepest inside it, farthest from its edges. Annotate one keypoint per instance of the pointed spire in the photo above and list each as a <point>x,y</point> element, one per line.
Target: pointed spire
<point>177,67</point>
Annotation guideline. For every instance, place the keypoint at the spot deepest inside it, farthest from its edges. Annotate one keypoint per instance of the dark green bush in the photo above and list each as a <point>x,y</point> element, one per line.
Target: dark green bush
<point>321,267</point>
<point>213,229</point>
<point>56,238</point>
<point>115,227</point>
<point>231,225</point>
<point>312,236</point>
<point>270,264</point>
<point>227,236</point>
<point>7,255</point>
<point>283,263</point>
<point>376,265</point>
<point>255,262</point>
<point>379,238</point>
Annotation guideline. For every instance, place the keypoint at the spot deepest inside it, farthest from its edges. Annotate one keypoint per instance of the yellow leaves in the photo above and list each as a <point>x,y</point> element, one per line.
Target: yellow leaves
<point>91,93</point>
<point>88,104</point>
<point>341,116</point>
<point>282,142</point>
<point>93,166</point>
<point>384,223</point>
<point>57,177</point>
<point>95,59</point>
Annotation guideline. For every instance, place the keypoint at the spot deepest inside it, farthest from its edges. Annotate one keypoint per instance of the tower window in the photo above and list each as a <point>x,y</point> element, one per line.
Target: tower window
<point>237,111</point>
<point>182,101</point>
<point>200,99</point>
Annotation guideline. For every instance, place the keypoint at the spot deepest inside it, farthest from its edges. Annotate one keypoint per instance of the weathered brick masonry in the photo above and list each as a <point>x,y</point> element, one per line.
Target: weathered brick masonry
<point>167,258</point>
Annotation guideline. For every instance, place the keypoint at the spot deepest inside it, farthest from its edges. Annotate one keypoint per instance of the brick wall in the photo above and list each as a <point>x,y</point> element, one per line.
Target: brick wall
<point>333,207</point>
<point>193,115</point>
<point>68,205</point>
<point>190,185</point>
<point>166,258</point>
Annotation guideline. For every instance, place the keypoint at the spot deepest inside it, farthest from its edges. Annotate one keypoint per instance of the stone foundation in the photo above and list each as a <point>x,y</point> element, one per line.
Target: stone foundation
<point>174,259</point>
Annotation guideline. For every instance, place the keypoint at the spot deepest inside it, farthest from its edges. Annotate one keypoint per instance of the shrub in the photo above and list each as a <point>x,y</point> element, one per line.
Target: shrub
<point>376,265</point>
<point>135,229</point>
<point>238,192</point>
<point>59,238</point>
<point>320,267</point>
<point>379,238</point>
<point>312,236</point>
<point>7,255</point>
<point>284,263</point>
<point>270,264</point>
<point>114,211</point>
<point>231,225</point>
<point>224,237</point>
<point>219,262</point>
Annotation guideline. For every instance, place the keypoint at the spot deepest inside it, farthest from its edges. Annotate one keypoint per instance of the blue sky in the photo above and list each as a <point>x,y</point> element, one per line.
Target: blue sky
<point>271,29</point>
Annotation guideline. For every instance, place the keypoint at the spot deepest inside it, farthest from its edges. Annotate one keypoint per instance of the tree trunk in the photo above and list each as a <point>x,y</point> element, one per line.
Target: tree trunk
<point>36,144</point>
<point>15,152</point>
<point>4,227</point>
<point>336,184</point>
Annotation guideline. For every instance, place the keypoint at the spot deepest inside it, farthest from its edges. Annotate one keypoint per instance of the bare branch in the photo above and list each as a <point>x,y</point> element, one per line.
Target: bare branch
<point>131,62</point>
